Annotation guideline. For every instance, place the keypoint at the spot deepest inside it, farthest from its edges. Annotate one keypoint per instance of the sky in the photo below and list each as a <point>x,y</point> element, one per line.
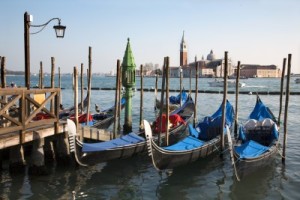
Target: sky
<point>251,31</point>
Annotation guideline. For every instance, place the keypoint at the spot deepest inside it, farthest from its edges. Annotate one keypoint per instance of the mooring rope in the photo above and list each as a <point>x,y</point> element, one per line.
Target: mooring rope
<point>278,149</point>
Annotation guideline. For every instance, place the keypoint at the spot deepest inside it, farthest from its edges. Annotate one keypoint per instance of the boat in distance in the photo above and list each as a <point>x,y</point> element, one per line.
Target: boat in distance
<point>220,83</point>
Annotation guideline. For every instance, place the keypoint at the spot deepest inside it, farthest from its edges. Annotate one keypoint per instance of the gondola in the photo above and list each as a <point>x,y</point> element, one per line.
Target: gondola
<point>257,140</point>
<point>179,119</point>
<point>174,101</point>
<point>201,142</point>
<point>104,118</point>
<point>126,145</point>
<point>67,112</point>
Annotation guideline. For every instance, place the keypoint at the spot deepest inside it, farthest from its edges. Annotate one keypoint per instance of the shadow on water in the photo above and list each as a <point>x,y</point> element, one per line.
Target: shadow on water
<point>117,179</point>
<point>255,185</point>
<point>194,180</point>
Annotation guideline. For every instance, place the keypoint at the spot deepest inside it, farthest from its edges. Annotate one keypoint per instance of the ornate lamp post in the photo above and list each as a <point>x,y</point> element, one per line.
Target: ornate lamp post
<point>60,33</point>
<point>128,81</point>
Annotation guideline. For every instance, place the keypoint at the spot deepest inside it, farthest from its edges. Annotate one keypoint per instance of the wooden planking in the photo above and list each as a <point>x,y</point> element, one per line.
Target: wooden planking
<point>13,138</point>
<point>95,134</point>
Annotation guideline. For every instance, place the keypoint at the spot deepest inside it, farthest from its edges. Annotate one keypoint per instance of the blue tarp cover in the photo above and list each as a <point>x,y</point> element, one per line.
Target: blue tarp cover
<point>250,149</point>
<point>128,139</point>
<point>194,140</point>
<point>176,99</point>
<point>261,112</point>
<point>186,144</point>
<point>90,123</point>
<point>215,120</point>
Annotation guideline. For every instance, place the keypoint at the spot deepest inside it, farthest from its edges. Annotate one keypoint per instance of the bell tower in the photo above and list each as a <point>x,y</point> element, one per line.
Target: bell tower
<point>183,52</point>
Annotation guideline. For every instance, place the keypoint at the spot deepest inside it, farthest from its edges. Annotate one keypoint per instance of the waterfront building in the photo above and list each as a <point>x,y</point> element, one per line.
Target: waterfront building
<point>260,71</point>
<point>209,67</point>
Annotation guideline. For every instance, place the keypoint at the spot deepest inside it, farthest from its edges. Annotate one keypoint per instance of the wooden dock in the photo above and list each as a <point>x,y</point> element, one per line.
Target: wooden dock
<point>20,126</point>
<point>13,138</point>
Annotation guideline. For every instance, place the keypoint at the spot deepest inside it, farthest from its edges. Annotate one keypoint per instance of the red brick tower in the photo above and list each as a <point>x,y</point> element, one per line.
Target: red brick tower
<point>183,52</point>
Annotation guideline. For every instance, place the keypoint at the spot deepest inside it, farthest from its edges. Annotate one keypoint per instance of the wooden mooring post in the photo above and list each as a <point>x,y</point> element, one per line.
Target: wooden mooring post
<point>2,71</point>
<point>287,97</point>
<point>81,89</point>
<point>141,100</point>
<point>161,101</point>
<point>89,86</point>
<point>224,101</point>
<point>117,101</point>
<point>155,90</point>
<point>120,97</point>
<point>196,93</point>
<point>180,86</point>
<point>167,101</point>
<point>281,91</point>
<point>52,81</point>
<point>59,85</point>
<point>41,76</point>
<point>236,99</point>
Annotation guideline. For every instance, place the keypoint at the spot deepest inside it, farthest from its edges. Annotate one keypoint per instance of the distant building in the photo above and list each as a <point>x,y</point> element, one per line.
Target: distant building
<point>260,71</point>
<point>183,52</point>
<point>209,67</point>
<point>213,67</point>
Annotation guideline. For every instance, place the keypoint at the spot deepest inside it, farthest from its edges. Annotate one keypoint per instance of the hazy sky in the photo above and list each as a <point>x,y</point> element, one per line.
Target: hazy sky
<point>252,31</point>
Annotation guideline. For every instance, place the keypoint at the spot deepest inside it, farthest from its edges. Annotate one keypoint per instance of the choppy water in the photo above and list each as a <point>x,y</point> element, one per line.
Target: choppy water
<point>136,178</point>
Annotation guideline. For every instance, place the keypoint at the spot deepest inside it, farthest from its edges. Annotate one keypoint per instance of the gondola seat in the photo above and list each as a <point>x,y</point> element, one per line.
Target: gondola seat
<point>251,149</point>
<point>128,139</point>
<point>187,143</point>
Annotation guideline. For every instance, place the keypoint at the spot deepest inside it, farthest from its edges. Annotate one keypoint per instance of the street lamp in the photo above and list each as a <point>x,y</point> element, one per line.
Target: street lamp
<point>60,33</point>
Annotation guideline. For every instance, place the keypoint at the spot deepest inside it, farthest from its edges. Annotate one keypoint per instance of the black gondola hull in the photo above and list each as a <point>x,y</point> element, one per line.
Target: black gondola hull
<point>164,159</point>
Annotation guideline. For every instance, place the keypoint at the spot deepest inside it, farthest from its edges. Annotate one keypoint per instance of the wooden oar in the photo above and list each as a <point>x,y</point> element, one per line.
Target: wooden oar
<point>231,152</point>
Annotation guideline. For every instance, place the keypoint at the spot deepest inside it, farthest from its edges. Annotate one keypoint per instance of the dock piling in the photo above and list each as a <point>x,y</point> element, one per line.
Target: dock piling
<point>16,159</point>
<point>37,159</point>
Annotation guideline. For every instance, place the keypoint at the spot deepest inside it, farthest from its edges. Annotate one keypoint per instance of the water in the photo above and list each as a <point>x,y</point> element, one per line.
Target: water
<point>136,178</point>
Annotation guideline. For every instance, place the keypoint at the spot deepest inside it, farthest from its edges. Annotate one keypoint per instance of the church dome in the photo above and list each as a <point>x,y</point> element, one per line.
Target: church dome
<point>211,56</point>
